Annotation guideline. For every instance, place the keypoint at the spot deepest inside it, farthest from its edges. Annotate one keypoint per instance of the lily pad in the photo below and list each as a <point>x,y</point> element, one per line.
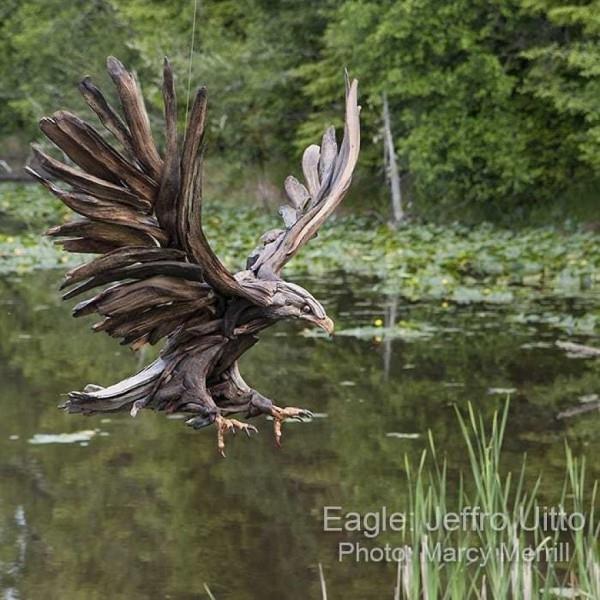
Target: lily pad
<point>63,438</point>
<point>398,332</point>
<point>501,391</point>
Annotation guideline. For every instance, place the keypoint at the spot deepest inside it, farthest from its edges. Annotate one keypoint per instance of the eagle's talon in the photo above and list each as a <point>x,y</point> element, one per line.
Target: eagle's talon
<point>306,415</point>
<point>302,416</point>
<point>230,425</point>
<point>286,414</point>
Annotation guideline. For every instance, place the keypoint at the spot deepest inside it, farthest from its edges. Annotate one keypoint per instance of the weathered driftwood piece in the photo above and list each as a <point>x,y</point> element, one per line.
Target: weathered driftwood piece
<point>142,214</point>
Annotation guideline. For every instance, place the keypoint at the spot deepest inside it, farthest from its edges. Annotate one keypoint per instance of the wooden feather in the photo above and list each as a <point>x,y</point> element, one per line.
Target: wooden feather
<point>310,168</point>
<point>81,156</point>
<point>86,246</point>
<point>119,258</point>
<point>166,202</point>
<point>328,155</point>
<point>100,210</point>
<point>104,190</point>
<point>289,215</point>
<point>112,162</point>
<point>118,235</point>
<point>296,192</point>
<point>107,115</point>
<point>136,116</point>
<point>139,271</point>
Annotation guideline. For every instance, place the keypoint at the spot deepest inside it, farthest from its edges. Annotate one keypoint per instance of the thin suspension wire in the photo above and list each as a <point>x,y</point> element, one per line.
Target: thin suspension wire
<point>189,86</point>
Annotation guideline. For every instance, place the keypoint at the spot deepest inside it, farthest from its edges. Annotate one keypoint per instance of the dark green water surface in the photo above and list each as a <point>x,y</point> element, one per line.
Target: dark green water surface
<point>145,508</point>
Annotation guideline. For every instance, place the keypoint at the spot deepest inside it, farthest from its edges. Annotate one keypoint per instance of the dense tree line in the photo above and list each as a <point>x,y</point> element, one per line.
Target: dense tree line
<point>493,103</point>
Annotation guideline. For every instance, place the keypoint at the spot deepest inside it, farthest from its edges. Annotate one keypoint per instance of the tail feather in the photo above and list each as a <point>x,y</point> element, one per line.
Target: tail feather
<point>120,396</point>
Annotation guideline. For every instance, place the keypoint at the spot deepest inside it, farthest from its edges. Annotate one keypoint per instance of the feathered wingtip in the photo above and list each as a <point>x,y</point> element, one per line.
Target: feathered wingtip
<point>327,171</point>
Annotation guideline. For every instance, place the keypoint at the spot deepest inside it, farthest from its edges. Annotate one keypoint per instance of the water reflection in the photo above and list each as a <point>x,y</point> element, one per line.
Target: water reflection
<point>144,508</point>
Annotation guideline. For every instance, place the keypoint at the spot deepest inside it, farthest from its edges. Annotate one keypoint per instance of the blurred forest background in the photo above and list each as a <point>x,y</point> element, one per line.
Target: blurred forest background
<point>494,105</point>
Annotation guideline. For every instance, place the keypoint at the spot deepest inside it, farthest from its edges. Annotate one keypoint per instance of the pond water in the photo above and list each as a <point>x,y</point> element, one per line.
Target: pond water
<point>145,508</point>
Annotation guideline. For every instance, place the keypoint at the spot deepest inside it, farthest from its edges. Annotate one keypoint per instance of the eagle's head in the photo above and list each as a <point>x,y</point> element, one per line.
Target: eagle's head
<point>291,301</point>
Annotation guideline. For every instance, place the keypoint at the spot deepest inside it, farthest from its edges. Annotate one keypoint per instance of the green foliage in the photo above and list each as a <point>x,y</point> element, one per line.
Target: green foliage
<point>494,104</point>
<point>28,208</point>
<point>472,122</point>
<point>565,70</point>
<point>45,50</point>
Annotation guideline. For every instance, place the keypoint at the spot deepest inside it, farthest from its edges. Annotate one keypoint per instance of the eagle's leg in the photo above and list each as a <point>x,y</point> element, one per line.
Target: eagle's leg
<point>234,395</point>
<point>257,404</point>
<point>184,389</point>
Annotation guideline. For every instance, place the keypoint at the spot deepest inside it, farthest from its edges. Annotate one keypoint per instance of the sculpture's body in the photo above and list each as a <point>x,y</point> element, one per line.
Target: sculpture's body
<point>142,216</point>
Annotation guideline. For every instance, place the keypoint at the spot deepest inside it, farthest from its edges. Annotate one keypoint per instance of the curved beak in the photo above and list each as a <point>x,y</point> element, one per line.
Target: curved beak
<point>326,324</point>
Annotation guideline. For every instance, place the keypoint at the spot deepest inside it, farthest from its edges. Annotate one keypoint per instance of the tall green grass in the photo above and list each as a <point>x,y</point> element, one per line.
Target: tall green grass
<point>487,485</point>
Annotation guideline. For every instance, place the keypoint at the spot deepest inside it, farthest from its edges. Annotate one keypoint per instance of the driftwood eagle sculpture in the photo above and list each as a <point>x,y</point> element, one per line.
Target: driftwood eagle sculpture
<point>141,213</point>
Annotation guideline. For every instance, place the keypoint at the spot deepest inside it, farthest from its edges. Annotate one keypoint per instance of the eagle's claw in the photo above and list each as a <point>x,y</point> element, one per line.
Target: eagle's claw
<point>284,414</point>
<point>230,425</point>
<point>303,416</point>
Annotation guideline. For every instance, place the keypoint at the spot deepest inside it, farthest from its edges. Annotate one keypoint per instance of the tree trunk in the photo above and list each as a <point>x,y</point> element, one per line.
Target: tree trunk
<point>391,166</point>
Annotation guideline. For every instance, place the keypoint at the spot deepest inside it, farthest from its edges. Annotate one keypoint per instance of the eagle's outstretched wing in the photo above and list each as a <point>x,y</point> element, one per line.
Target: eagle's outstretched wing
<point>327,174</point>
<point>139,211</point>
